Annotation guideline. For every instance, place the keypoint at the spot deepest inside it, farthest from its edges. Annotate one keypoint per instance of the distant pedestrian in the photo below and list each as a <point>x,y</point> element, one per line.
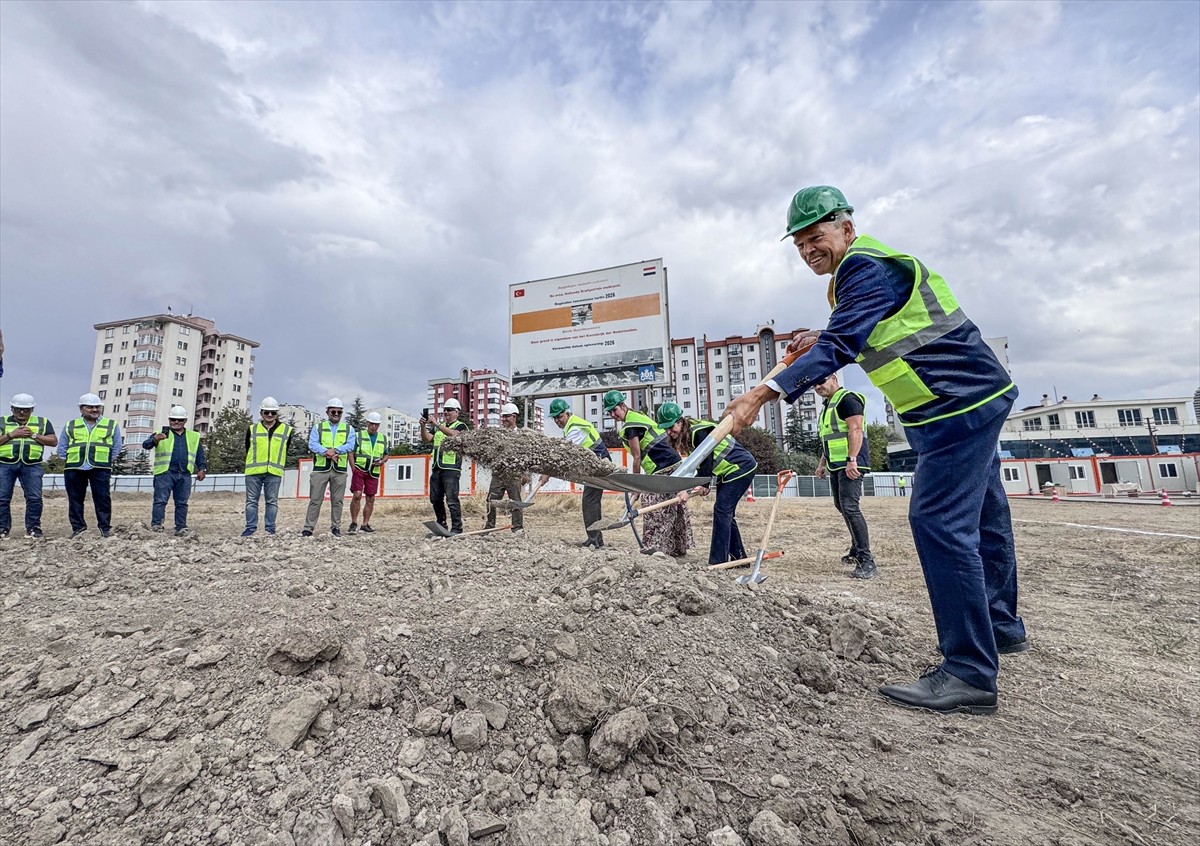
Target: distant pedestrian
<point>23,438</point>
<point>89,444</point>
<point>178,453</point>
<point>370,454</point>
<point>267,445</point>
<point>506,485</point>
<point>445,467</point>
<point>845,457</point>
<point>330,442</point>
<point>902,484</point>
<point>583,435</point>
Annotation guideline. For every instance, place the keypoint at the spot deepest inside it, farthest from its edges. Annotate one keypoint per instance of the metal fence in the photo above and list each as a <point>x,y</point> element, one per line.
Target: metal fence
<point>216,483</point>
<point>874,484</point>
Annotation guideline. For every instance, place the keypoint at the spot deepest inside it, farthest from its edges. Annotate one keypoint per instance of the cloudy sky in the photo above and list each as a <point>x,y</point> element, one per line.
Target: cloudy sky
<point>355,185</point>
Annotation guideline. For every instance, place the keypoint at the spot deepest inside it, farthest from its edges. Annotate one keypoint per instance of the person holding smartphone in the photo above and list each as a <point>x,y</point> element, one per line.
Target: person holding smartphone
<point>178,453</point>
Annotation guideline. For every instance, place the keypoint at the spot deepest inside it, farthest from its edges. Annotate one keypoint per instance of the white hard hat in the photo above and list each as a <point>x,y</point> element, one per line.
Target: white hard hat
<point>334,403</point>
<point>374,417</point>
<point>269,404</point>
<point>89,399</point>
<point>177,412</point>
<point>509,408</point>
<point>452,404</point>
<point>22,401</point>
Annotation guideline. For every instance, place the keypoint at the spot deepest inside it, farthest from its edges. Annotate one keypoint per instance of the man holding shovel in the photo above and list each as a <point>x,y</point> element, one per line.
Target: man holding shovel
<point>900,322</point>
<point>502,485</point>
<point>583,434</point>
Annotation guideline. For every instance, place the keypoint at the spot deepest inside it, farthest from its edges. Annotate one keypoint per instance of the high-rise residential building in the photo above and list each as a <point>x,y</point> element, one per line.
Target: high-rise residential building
<point>297,416</point>
<point>398,426</point>
<point>145,365</point>
<point>481,393</point>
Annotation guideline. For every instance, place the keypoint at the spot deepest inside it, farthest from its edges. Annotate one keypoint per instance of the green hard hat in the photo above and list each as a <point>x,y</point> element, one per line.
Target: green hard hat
<point>558,407</point>
<point>811,205</point>
<point>668,414</point>
<point>612,399</point>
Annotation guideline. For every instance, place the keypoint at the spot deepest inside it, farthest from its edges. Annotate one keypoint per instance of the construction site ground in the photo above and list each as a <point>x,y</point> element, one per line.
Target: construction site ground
<point>392,689</point>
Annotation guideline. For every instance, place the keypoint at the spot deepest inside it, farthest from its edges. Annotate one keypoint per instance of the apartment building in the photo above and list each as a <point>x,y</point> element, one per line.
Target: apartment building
<point>144,365</point>
<point>481,393</point>
<point>297,416</point>
<point>398,426</point>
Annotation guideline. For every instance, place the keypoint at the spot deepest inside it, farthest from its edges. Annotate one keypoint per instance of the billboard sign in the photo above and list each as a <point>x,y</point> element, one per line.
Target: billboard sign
<point>590,332</point>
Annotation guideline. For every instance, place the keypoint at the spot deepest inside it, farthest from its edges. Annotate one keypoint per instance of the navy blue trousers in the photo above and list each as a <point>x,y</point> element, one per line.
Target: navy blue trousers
<point>963,532</point>
<point>726,544</point>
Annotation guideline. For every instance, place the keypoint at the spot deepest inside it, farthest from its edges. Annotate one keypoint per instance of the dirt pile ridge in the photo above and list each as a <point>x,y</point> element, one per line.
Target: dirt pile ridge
<point>510,453</point>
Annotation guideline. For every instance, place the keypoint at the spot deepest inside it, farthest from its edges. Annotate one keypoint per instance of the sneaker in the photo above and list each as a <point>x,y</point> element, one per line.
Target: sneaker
<point>865,570</point>
<point>248,532</point>
<point>35,533</point>
<point>4,536</point>
<point>352,530</point>
<point>307,533</point>
<point>77,533</point>
<point>156,527</point>
<point>848,559</point>
<point>587,544</point>
<point>336,532</point>
<point>180,532</point>
<point>270,531</point>
<point>1022,645</point>
<point>518,531</point>
<point>106,533</point>
<point>366,527</point>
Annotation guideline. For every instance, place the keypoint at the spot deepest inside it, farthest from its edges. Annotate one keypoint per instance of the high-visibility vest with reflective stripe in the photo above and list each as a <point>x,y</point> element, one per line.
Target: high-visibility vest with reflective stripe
<point>444,459</point>
<point>365,452</point>
<point>94,446</point>
<point>637,419</point>
<point>731,460</point>
<point>166,447</point>
<point>835,437</point>
<point>268,449</point>
<point>591,437</point>
<point>331,439</point>
<point>913,334</point>
<point>23,450</point>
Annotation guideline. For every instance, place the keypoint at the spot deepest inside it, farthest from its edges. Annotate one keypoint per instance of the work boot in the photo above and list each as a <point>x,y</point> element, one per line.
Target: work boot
<point>865,570</point>
<point>336,532</point>
<point>366,527</point>
<point>1013,648</point>
<point>353,529</point>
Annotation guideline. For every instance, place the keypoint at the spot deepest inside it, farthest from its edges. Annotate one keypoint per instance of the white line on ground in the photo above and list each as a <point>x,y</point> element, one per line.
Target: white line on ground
<point>1110,529</point>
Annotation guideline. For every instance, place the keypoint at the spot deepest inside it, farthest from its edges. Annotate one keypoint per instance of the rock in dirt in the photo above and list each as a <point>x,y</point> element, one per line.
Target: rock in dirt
<point>289,724</point>
<point>343,812</point>
<point>209,656</point>
<point>33,715</point>
<point>618,736</point>
<point>317,827</point>
<point>849,636</point>
<point>724,837</point>
<point>648,823</point>
<point>170,773</point>
<point>453,828</point>
<point>428,722</point>
<point>57,682</point>
<point>101,705</point>
<point>576,700</point>
<point>481,824</point>
<point>558,821</point>
<point>388,794</point>
<point>816,671</point>
<point>298,650</point>
<point>768,829</point>
<point>469,731</point>
<point>25,749</point>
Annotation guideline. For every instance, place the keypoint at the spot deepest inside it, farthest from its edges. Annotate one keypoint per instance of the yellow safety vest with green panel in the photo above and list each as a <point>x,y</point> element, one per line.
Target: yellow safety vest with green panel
<point>637,419</point>
<point>930,313</point>
<point>93,445</point>
<point>23,450</point>
<point>444,459</point>
<point>331,439</point>
<point>166,447</point>
<point>268,450</point>
<point>835,437</point>
<point>365,452</point>
<point>731,460</point>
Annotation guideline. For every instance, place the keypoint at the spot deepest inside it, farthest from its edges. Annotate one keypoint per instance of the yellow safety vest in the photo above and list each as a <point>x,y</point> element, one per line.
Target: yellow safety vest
<point>365,452</point>
<point>164,449</point>
<point>331,439</point>
<point>23,450</point>
<point>93,445</point>
<point>835,438</point>
<point>268,449</point>
<point>446,460</point>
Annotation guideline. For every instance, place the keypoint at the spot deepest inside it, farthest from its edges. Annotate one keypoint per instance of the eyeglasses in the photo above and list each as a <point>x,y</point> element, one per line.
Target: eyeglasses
<point>91,407</point>
<point>268,413</point>
<point>178,420</point>
<point>334,411</point>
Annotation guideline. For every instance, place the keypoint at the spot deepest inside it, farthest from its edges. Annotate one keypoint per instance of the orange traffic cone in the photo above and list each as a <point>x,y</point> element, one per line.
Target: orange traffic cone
<point>1055,498</point>
<point>750,496</point>
<point>1166,500</point>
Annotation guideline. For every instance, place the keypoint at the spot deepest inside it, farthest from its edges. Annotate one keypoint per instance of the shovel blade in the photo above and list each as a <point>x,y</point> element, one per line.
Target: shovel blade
<point>641,483</point>
<point>602,526</point>
<point>755,575</point>
<point>437,528</point>
<point>508,504</point>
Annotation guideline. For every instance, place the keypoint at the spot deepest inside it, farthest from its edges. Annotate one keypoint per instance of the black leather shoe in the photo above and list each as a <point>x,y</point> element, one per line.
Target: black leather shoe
<point>865,570</point>
<point>1013,648</point>
<point>937,690</point>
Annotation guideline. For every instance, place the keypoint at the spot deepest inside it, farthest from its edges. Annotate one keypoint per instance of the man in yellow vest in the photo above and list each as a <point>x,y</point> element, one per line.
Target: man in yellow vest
<point>584,435</point>
<point>445,466</point>
<point>89,444</point>
<point>177,454</point>
<point>900,322</point>
<point>370,454</point>
<point>267,443</point>
<point>23,437</point>
<point>502,485</point>
<point>845,457</point>
<point>330,442</point>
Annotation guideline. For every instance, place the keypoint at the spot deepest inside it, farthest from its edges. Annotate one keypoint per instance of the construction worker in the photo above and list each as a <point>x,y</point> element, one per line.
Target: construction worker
<point>636,430</point>
<point>370,454</point>
<point>267,443</point>
<point>330,442</point>
<point>845,457</point>
<point>730,465</point>
<point>177,454</point>
<point>445,466</point>
<point>502,485</point>
<point>23,437</point>
<point>899,320</point>
<point>90,443</point>
<point>582,434</point>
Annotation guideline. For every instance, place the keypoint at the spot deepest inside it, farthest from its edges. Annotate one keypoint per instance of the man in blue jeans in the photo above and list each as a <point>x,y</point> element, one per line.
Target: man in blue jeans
<point>267,445</point>
<point>178,453</point>
<point>23,437</point>
<point>899,321</point>
<point>88,446</point>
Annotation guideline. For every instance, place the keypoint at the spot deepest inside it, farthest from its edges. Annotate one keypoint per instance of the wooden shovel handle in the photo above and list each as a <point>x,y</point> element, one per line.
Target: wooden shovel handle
<point>742,562</point>
<point>482,531</point>
<point>780,481</point>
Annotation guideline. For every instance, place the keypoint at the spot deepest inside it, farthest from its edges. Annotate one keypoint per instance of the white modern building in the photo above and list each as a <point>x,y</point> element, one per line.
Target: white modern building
<point>398,426</point>
<point>144,365</point>
<point>297,416</point>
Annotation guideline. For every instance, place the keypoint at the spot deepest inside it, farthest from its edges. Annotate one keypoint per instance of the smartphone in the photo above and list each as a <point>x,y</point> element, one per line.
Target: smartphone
<point>425,413</point>
<point>166,430</point>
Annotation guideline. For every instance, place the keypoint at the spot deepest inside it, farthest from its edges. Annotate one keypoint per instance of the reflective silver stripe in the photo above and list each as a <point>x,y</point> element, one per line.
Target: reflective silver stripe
<point>941,323</point>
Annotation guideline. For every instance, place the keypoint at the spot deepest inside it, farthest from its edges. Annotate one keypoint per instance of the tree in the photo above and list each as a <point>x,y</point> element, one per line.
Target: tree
<point>878,437</point>
<point>761,444</point>
<point>225,446</point>
<point>611,439</point>
<point>803,463</point>
<point>358,416</point>
<point>297,449</point>
<point>54,464</point>
<point>402,448</point>
<point>141,464</point>
<point>122,462</point>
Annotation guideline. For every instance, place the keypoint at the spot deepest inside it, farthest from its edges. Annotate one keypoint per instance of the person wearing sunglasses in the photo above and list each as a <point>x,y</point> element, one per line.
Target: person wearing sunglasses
<point>267,444</point>
<point>178,454</point>
<point>90,443</point>
<point>330,441</point>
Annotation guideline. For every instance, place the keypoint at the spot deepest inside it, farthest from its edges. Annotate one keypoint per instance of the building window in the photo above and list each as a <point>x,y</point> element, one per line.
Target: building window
<point>750,362</point>
<point>687,404</point>
<point>720,378</point>
<point>1166,416</point>
<point>117,393</point>
<point>104,379</point>
<point>102,394</point>
<point>683,363</point>
<point>403,471</point>
<point>124,345</point>
<point>124,330</point>
<point>181,345</point>
<point>1129,416</point>
<point>1052,421</point>
<point>1077,471</point>
<point>185,330</point>
<point>1085,419</point>
<point>1168,471</point>
<point>108,333</point>
<point>1033,424</point>
<point>121,376</point>
<point>720,392</point>
<point>687,377</point>
<point>108,348</point>
<point>717,365</point>
<point>687,390</point>
<point>105,364</point>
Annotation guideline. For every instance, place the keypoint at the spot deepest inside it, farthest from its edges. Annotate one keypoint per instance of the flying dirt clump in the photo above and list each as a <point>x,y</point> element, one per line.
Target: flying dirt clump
<point>512,453</point>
